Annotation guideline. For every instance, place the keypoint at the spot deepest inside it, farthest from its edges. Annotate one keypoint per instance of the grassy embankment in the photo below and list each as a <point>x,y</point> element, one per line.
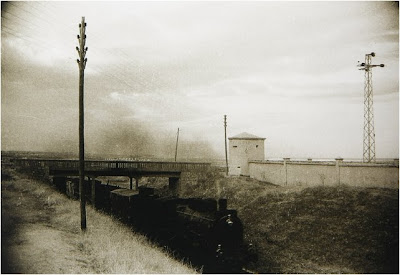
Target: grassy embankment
<point>42,229</point>
<point>340,229</point>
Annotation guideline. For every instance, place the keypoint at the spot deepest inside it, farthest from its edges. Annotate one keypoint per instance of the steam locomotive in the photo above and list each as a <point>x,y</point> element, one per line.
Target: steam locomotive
<point>204,230</point>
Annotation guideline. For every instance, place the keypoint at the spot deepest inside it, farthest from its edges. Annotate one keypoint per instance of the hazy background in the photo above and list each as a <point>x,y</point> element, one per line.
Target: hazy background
<point>285,71</point>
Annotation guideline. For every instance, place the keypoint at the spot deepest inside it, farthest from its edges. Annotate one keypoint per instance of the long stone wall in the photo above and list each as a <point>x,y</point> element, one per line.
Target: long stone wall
<point>329,173</point>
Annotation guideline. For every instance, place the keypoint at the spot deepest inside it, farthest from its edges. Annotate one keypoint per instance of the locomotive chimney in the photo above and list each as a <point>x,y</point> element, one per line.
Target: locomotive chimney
<point>222,204</point>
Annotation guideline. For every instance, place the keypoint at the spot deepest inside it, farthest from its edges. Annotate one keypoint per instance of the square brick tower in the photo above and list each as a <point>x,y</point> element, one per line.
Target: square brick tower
<point>243,148</point>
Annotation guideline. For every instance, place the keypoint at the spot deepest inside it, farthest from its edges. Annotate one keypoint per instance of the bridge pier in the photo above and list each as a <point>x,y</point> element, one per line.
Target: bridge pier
<point>174,185</point>
<point>136,182</point>
<point>94,191</point>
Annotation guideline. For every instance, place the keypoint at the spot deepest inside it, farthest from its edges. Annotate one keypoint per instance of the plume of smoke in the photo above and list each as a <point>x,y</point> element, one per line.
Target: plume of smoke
<point>126,137</point>
<point>136,140</point>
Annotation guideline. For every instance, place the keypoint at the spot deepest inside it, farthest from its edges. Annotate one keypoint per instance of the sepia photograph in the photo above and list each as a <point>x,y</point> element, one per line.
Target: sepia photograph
<point>184,137</point>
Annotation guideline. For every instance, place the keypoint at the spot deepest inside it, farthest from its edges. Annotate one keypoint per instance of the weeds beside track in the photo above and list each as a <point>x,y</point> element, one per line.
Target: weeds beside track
<point>337,229</point>
<point>41,234</point>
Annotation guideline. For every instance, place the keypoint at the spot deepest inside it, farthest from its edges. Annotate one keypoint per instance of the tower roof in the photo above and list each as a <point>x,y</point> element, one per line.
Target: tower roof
<point>245,135</point>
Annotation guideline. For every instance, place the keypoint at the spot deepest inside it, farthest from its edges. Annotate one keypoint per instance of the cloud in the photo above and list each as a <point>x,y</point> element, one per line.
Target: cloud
<point>283,70</point>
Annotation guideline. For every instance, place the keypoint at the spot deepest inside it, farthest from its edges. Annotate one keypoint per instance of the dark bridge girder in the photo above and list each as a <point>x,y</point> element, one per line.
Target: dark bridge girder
<point>114,172</point>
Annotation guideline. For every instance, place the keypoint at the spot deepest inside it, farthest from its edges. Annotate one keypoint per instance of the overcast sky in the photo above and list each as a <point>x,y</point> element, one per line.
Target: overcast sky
<point>285,71</point>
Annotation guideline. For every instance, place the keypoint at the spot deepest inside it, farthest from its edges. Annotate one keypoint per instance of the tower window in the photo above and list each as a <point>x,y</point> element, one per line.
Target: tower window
<point>256,146</point>
<point>234,146</point>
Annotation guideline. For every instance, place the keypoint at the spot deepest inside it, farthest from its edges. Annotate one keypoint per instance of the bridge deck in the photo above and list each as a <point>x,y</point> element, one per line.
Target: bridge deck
<point>114,168</point>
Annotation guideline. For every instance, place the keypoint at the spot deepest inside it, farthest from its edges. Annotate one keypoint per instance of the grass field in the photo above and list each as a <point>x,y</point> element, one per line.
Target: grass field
<point>41,234</point>
<point>339,229</point>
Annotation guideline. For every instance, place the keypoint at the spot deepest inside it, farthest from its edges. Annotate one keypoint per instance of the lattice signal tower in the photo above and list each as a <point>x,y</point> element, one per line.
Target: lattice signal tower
<point>369,130</point>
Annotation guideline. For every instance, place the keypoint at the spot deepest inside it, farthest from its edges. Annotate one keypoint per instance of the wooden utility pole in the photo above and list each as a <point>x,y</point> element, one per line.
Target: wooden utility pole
<point>176,147</point>
<point>82,64</point>
<point>226,148</point>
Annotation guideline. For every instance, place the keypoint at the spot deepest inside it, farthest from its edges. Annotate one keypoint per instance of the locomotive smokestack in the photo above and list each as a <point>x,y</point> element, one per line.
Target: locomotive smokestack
<point>222,204</point>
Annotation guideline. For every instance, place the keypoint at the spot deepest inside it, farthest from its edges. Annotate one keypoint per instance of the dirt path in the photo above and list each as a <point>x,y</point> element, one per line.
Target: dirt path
<point>30,241</point>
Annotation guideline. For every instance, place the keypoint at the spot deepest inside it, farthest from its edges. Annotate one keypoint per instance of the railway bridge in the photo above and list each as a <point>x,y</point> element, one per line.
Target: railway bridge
<point>177,172</point>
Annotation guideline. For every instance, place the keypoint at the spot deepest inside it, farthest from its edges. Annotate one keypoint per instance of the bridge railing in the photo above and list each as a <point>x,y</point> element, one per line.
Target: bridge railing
<point>105,165</point>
